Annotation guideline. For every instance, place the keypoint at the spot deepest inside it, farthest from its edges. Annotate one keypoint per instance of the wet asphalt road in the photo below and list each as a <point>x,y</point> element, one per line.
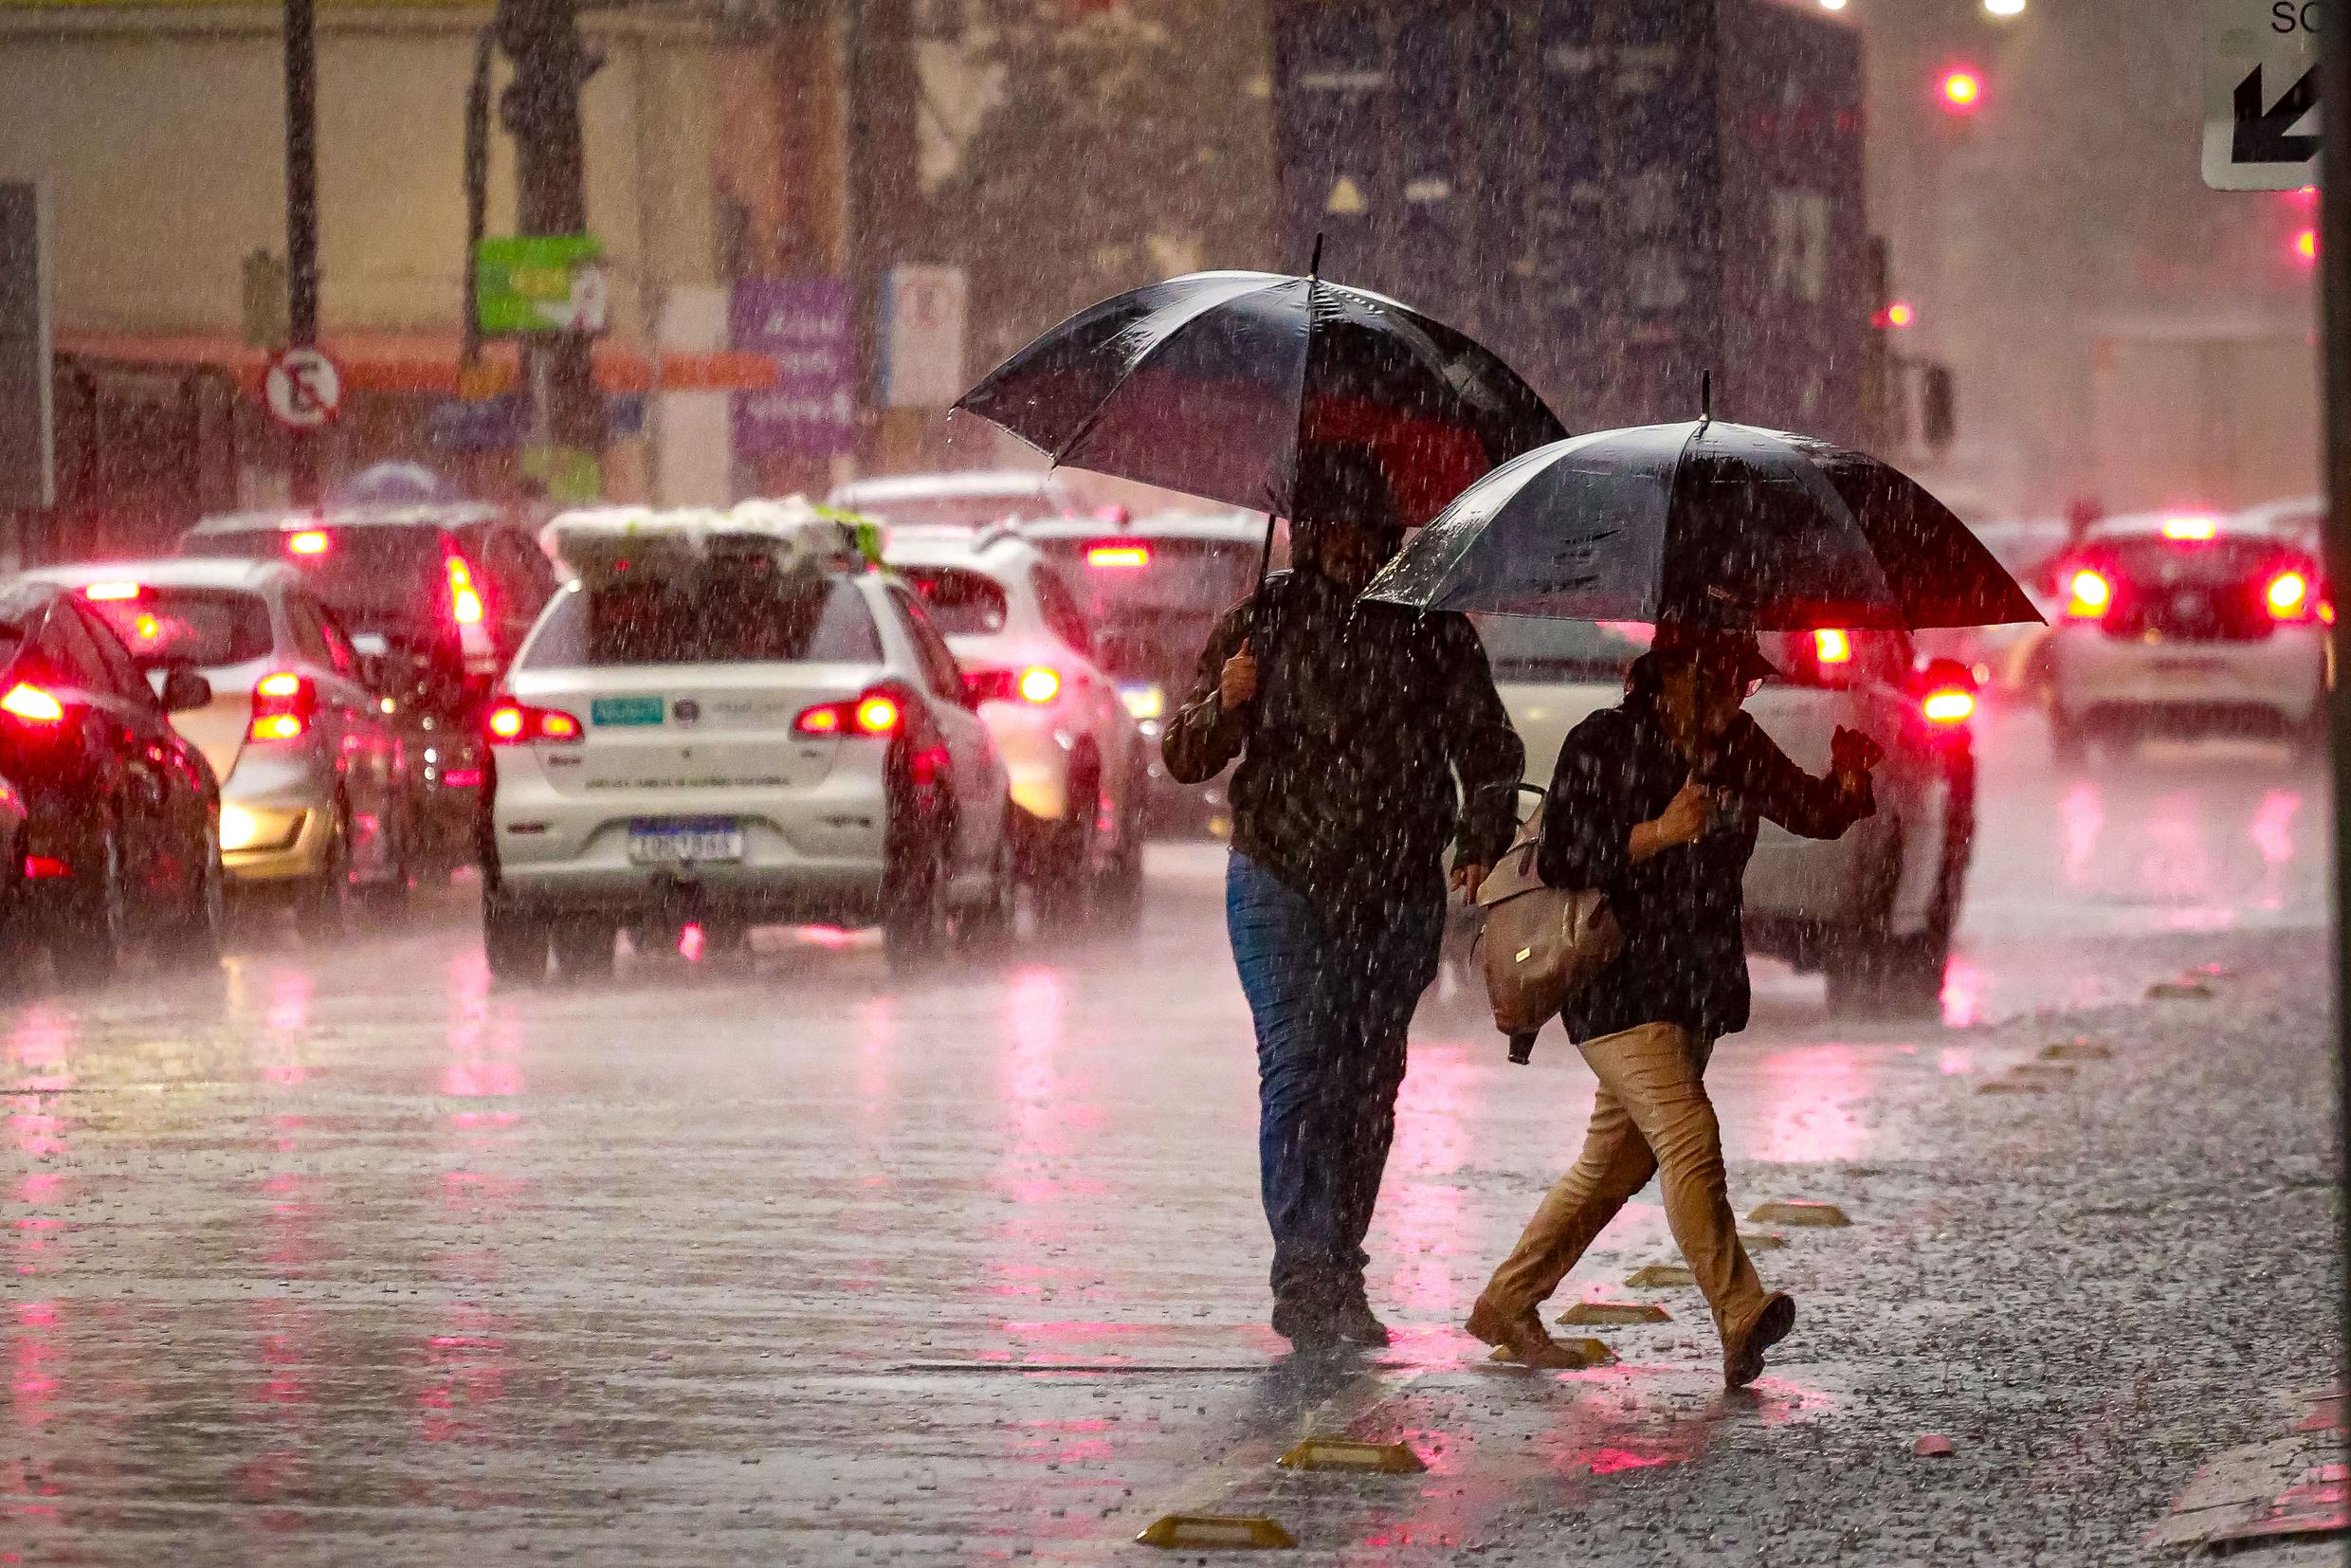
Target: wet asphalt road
<point>348,1257</point>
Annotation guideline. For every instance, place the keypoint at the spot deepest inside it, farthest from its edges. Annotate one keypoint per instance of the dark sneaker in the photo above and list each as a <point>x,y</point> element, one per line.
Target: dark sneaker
<point>1306,1322</point>
<point>1355,1323</point>
<point>1744,1364</point>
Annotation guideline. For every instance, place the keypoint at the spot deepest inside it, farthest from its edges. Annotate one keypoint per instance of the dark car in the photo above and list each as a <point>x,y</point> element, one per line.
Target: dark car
<point>1152,589</point>
<point>119,839</point>
<point>441,595</point>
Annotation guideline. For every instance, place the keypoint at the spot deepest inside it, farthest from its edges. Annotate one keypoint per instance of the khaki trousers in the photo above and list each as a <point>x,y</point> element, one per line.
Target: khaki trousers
<point>1652,1115</point>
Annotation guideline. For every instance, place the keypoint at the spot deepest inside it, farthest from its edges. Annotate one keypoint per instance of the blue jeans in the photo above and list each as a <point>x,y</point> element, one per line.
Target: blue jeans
<point>1331,1009</point>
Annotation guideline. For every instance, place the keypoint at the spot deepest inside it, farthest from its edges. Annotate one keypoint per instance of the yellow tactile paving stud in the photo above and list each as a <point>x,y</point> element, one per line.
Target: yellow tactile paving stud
<point>1763,1241</point>
<point>2046,1072</point>
<point>2080,1049</point>
<point>1348,1453</point>
<point>1797,1211</point>
<point>1613,1314</point>
<point>2188,988</point>
<point>1221,1532</point>
<point>2013,1085</point>
<point>1660,1276</point>
<point>1571,1356</point>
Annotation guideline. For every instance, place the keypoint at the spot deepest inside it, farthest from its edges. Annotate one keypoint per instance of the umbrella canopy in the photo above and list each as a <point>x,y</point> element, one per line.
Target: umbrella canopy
<point>1230,385</point>
<point>1707,524</point>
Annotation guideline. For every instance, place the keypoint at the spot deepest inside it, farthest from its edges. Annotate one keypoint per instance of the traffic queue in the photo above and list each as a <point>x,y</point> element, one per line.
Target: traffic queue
<point>673,725</point>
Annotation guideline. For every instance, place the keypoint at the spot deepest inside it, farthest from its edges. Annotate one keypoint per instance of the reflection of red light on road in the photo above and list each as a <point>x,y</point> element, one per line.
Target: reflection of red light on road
<point>1961,996</point>
<point>1810,1096</point>
<point>1609,1461</point>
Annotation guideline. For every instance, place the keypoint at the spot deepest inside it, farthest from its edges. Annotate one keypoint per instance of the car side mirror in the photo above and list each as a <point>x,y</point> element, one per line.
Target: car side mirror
<point>183,688</point>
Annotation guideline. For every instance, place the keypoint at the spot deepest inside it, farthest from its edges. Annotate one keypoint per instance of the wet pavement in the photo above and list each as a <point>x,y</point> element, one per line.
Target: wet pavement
<point>350,1256</point>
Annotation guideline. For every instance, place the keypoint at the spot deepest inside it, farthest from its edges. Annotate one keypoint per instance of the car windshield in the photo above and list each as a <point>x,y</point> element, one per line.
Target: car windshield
<point>1152,602</point>
<point>205,627</point>
<point>733,614</point>
<point>391,580</point>
<point>961,603</point>
<point>1524,649</point>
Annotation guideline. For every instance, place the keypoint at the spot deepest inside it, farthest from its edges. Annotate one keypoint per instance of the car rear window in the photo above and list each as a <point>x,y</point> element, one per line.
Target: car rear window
<point>1534,651</point>
<point>380,579</point>
<point>1152,602</point>
<point>725,617</point>
<point>961,603</point>
<point>952,510</point>
<point>2211,563</point>
<point>198,625</point>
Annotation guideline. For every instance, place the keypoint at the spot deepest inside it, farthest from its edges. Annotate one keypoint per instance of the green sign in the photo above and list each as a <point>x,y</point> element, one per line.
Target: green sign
<point>625,710</point>
<point>539,282</point>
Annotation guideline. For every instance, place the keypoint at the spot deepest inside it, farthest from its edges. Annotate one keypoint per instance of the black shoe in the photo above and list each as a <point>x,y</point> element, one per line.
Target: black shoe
<point>1744,1364</point>
<point>1353,1320</point>
<point>1305,1322</point>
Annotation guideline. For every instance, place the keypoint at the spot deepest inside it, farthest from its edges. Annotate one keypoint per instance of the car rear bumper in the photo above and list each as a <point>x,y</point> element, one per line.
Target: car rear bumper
<point>2283,674</point>
<point>277,817</point>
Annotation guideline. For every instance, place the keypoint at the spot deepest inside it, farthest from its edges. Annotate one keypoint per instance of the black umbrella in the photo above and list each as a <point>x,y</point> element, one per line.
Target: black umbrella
<point>1229,385</point>
<point>1707,524</point>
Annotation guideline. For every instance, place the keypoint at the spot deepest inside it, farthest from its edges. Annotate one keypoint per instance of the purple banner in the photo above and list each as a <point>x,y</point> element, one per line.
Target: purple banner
<point>803,324</point>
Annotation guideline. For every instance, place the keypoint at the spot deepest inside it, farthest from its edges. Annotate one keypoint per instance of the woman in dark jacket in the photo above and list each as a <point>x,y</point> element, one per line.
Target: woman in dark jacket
<point>1656,802</point>
<point>1371,739</point>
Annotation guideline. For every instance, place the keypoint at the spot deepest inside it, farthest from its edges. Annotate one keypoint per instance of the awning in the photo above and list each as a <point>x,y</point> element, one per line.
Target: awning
<point>423,362</point>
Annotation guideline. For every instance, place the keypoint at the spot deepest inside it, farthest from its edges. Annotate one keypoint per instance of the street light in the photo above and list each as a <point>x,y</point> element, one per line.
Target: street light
<point>2005,7</point>
<point>1831,4</point>
<point>1961,90</point>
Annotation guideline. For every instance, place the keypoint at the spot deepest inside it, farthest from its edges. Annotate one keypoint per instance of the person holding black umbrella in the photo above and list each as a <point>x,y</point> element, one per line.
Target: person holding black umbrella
<point>1656,802</point>
<point>1369,738</point>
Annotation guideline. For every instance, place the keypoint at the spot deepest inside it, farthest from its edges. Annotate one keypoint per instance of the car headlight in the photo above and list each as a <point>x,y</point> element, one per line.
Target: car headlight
<point>253,828</point>
<point>1144,701</point>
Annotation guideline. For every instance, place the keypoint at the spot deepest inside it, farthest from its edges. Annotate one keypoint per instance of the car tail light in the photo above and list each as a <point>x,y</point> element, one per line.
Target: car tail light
<point>465,600</point>
<point>1118,557</point>
<point>31,704</point>
<point>1832,646</point>
<point>110,592</point>
<point>2287,597</point>
<point>513,723</point>
<point>283,705</point>
<point>1039,685</point>
<point>876,713</point>
<point>2090,594</point>
<point>1948,705</point>
<point>46,868</point>
<point>309,542</point>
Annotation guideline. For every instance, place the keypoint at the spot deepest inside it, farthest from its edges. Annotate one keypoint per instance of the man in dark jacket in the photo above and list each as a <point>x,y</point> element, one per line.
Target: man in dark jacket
<point>1370,738</point>
<point>1656,802</point>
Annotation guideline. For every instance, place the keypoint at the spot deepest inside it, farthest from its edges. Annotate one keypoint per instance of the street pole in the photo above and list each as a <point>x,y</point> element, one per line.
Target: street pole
<point>302,222</point>
<point>541,110</point>
<point>2335,287</point>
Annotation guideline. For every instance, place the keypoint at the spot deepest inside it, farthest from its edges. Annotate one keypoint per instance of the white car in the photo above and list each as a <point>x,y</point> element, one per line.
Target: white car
<point>732,719</point>
<point>971,500</point>
<point>1874,910</point>
<point>2189,621</point>
<point>1073,752</point>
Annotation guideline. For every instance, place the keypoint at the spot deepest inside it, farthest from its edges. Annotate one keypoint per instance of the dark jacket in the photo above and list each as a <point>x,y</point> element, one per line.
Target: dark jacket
<point>1374,738</point>
<point>1684,958</point>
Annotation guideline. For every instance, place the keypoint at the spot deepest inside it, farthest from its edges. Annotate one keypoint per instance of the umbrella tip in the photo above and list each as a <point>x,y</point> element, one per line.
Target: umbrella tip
<point>1705,395</point>
<point>1314,266</point>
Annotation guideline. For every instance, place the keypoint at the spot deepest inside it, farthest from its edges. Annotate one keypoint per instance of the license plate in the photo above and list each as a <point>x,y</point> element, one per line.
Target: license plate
<point>700,841</point>
<point>2195,669</point>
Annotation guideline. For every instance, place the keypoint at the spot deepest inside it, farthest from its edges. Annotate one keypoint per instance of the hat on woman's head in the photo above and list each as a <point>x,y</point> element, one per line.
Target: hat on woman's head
<point>1734,654</point>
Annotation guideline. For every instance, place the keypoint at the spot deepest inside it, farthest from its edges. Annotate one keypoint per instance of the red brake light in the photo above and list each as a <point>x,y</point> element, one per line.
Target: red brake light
<point>2287,597</point>
<point>1948,705</point>
<point>511,723</point>
<point>877,714</point>
<point>465,600</point>
<point>110,592</point>
<point>1118,557</point>
<point>1039,685</point>
<point>310,541</point>
<point>1832,646</point>
<point>2190,528</point>
<point>282,704</point>
<point>44,868</point>
<point>34,705</point>
<point>2092,594</point>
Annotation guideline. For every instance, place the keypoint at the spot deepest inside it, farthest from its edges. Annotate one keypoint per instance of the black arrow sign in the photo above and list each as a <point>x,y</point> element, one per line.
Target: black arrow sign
<point>2265,136</point>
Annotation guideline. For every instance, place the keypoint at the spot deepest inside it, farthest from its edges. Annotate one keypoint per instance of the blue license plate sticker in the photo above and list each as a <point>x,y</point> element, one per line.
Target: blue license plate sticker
<point>618,711</point>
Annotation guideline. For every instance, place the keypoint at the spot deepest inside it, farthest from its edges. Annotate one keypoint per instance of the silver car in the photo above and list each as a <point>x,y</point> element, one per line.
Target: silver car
<point>718,723</point>
<point>315,798</point>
